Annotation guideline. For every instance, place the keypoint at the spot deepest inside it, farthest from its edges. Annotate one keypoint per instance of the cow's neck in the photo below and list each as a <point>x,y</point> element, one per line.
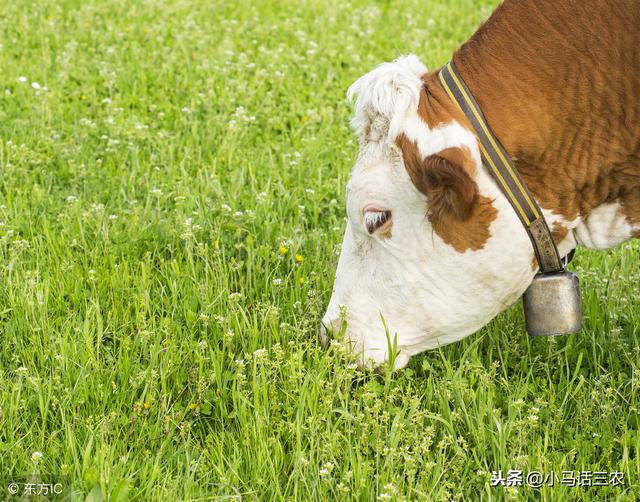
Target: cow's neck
<point>563,105</point>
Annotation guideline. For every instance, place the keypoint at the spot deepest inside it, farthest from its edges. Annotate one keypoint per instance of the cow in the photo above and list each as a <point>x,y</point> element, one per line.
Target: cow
<point>432,249</point>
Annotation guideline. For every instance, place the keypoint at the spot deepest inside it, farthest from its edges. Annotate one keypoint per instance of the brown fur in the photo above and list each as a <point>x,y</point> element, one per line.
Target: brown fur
<point>385,230</point>
<point>459,215</point>
<point>471,234</point>
<point>559,84</point>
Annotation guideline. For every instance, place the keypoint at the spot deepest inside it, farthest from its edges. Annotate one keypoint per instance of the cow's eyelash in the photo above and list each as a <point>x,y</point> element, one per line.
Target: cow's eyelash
<point>373,220</point>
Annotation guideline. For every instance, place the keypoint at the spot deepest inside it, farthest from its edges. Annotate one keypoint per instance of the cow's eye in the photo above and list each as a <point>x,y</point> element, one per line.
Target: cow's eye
<point>376,218</point>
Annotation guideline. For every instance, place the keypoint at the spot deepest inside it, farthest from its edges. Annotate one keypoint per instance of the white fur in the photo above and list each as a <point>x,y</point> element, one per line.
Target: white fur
<point>605,227</point>
<point>390,92</point>
<point>428,293</point>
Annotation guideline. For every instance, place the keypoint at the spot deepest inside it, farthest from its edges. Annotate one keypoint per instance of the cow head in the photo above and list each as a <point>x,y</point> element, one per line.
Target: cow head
<point>432,250</point>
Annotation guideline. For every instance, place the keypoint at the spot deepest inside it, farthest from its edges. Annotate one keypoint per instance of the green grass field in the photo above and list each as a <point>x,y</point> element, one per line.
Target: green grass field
<point>172,179</point>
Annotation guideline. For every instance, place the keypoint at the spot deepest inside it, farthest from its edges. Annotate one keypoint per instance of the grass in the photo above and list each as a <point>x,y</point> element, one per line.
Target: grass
<point>158,335</point>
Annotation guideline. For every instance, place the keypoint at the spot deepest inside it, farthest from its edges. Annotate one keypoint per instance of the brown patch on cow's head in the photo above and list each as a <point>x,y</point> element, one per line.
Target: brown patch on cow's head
<point>458,214</point>
<point>470,234</point>
<point>435,107</point>
<point>427,106</point>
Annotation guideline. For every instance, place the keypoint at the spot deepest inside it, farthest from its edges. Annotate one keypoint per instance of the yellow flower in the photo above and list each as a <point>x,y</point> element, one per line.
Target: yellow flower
<point>299,258</point>
<point>147,405</point>
<point>283,250</point>
<point>301,281</point>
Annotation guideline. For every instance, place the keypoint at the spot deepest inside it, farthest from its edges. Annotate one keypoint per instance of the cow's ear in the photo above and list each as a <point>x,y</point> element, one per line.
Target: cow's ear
<point>449,187</point>
<point>445,178</point>
<point>457,212</point>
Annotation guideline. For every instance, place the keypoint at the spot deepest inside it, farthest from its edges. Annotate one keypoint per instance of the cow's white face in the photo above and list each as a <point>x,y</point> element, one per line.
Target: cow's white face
<point>432,249</point>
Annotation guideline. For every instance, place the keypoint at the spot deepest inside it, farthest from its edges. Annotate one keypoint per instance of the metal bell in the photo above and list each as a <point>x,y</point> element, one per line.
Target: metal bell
<point>552,305</point>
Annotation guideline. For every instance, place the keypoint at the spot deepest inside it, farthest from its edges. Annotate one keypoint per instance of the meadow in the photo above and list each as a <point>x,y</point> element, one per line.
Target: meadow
<point>172,182</point>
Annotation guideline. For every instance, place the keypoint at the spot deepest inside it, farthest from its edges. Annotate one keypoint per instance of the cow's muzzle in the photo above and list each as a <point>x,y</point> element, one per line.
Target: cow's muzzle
<point>329,329</point>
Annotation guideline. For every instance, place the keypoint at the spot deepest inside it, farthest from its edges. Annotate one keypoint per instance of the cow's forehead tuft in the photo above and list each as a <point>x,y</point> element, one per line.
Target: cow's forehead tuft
<point>385,95</point>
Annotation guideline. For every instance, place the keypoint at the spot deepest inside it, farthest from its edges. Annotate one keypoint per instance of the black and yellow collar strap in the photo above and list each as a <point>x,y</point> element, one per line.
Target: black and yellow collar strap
<point>504,172</point>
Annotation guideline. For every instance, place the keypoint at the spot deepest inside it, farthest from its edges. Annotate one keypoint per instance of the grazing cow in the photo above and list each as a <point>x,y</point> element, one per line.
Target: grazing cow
<point>433,250</point>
